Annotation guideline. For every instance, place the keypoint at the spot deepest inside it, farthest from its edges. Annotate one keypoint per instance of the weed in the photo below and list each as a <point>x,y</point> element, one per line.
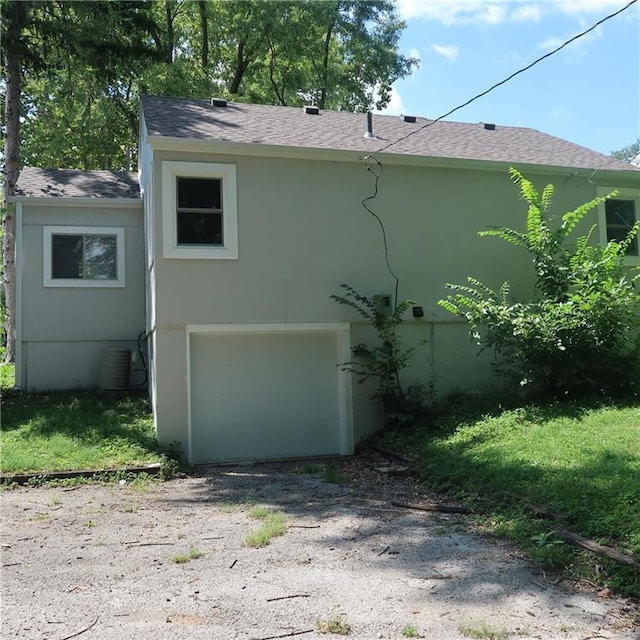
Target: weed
<point>260,512</point>
<point>482,630</point>
<point>309,469</point>
<point>193,554</point>
<point>333,476</point>
<point>90,524</point>
<point>409,631</point>
<point>227,507</point>
<point>273,525</point>
<point>337,624</point>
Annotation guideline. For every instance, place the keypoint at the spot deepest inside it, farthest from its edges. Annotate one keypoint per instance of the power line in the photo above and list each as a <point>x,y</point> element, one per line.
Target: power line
<point>513,75</point>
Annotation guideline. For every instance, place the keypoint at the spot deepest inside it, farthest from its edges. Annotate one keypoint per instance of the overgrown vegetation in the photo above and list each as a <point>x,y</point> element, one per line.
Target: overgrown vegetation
<point>76,430</point>
<point>580,333</point>
<point>387,357</point>
<point>580,460</point>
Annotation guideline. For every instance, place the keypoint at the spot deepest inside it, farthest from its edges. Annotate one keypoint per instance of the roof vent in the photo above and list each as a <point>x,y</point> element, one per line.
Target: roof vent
<point>489,126</point>
<point>369,132</point>
<point>218,102</point>
<point>312,110</point>
<point>411,119</point>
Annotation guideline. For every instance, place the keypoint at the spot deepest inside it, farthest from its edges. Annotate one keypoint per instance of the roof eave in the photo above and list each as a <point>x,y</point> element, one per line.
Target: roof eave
<point>223,147</point>
<point>70,201</point>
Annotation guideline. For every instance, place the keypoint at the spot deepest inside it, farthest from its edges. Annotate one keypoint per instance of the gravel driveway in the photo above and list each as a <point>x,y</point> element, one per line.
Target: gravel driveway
<point>98,562</point>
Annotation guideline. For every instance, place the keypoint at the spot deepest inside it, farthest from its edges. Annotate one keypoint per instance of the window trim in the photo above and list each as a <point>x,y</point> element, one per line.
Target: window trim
<point>50,281</point>
<point>171,171</point>
<point>621,194</point>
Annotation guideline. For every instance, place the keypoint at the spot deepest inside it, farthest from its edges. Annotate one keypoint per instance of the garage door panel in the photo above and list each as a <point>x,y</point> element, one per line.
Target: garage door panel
<point>265,395</point>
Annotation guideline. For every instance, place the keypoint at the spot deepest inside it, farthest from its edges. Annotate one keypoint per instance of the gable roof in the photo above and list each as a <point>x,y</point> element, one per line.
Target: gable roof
<point>72,183</point>
<point>341,130</point>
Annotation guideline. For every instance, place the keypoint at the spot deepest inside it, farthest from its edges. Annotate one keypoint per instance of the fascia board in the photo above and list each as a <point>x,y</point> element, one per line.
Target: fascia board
<point>57,201</point>
<point>191,145</point>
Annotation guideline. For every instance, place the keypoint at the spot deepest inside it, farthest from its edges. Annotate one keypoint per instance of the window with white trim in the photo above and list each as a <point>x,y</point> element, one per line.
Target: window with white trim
<point>617,216</point>
<point>199,210</point>
<point>83,256</point>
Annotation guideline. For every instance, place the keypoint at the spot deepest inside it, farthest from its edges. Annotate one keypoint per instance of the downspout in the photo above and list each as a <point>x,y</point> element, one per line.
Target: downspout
<point>20,373</point>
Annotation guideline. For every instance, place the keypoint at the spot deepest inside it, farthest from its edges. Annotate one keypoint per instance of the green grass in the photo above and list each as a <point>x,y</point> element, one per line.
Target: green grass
<point>75,430</point>
<point>273,525</point>
<point>192,554</point>
<point>336,624</point>
<point>482,630</point>
<point>580,460</point>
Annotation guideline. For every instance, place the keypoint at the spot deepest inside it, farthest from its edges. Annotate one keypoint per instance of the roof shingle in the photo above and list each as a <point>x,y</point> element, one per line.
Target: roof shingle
<point>71,183</point>
<point>340,130</point>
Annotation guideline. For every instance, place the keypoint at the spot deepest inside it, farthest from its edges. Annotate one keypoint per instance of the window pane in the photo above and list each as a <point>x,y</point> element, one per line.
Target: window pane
<point>200,228</point>
<point>66,256</point>
<point>199,193</point>
<point>620,212</point>
<point>100,258</point>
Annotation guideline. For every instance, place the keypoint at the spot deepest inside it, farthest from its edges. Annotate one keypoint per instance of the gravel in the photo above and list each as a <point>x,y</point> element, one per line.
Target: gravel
<point>98,561</point>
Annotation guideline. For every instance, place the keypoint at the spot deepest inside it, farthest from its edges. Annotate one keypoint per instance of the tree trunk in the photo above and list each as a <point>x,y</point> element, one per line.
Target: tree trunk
<point>170,33</point>
<point>204,28</point>
<point>16,17</point>
<point>325,66</point>
<point>241,67</point>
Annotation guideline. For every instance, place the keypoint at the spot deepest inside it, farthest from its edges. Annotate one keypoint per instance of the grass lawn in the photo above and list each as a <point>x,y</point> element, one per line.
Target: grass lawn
<point>580,460</point>
<point>75,430</point>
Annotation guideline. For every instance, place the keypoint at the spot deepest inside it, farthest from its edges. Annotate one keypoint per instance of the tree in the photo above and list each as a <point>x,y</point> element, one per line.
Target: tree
<point>579,333</point>
<point>627,154</point>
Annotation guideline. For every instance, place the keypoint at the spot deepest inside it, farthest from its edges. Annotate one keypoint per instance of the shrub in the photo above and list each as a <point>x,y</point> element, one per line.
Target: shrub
<point>580,331</point>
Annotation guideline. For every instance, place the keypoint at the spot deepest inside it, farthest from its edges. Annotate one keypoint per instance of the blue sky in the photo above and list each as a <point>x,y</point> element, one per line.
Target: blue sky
<point>588,93</point>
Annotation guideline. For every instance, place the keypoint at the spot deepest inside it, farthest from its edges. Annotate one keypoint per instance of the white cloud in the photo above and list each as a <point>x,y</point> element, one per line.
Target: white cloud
<point>493,12</point>
<point>450,52</point>
<point>396,106</point>
<point>579,46</point>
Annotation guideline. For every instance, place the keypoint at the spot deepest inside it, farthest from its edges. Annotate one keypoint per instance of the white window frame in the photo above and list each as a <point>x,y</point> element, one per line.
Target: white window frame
<point>621,194</point>
<point>50,281</point>
<point>171,171</point>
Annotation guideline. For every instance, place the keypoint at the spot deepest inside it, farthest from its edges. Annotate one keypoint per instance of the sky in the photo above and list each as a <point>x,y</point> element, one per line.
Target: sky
<point>588,93</point>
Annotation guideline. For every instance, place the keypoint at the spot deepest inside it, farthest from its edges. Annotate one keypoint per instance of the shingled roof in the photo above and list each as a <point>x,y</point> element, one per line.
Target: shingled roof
<point>71,183</point>
<point>340,130</point>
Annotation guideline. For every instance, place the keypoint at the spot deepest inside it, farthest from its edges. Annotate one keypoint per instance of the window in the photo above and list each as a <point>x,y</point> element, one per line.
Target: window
<point>617,215</point>
<point>83,257</point>
<point>199,211</point>
<point>621,216</point>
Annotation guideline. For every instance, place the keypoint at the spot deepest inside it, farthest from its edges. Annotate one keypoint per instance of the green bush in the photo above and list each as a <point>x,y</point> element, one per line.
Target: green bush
<point>579,333</point>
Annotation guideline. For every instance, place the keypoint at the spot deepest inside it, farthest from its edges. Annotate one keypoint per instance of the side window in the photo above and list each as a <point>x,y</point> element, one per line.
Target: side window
<point>620,217</point>
<point>83,257</point>
<point>617,216</point>
<point>199,210</point>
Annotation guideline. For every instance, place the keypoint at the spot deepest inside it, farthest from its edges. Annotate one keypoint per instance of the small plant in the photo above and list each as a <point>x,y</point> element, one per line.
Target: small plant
<point>384,360</point>
<point>336,624</point>
<point>332,475</point>
<point>482,630</point>
<point>193,554</point>
<point>273,525</point>
<point>409,631</point>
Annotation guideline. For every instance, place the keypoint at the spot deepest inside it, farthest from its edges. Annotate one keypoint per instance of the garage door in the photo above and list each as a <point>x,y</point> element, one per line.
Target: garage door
<point>262,395</point>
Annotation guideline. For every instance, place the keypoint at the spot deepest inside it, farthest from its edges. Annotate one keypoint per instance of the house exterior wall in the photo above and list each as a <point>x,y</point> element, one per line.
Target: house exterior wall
<point>302,231</point>
<point>63,329</point>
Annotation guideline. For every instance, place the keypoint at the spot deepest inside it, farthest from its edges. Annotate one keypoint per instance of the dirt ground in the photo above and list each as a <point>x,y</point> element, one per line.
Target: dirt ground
<point>98,562</point>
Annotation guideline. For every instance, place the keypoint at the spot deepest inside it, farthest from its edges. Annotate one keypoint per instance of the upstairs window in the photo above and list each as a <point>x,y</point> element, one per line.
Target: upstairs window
<point>83,257</point>
<point>199,211</point>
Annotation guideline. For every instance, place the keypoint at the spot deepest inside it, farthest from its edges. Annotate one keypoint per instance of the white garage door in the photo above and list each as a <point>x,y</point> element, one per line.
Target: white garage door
<point>267,395</point>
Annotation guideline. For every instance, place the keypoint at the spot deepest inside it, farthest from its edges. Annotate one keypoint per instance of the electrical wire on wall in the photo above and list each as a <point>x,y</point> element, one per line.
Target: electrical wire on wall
<point>370,161</point>
<point>374,167</point>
